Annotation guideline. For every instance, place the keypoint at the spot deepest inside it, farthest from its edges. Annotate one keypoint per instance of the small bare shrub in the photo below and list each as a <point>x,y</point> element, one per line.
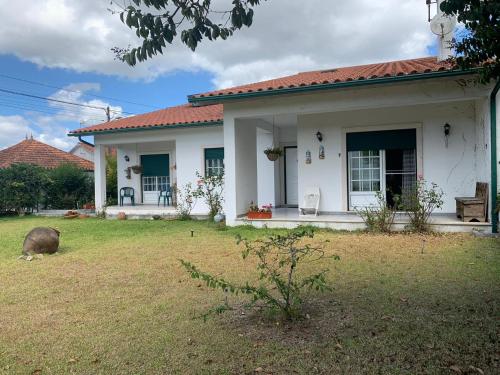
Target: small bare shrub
<point>421,203</point>
<point>278,258</point>
<point>380,217</point>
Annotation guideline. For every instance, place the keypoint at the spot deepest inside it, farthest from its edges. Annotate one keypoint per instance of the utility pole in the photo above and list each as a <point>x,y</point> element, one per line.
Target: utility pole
<point>108,114</point>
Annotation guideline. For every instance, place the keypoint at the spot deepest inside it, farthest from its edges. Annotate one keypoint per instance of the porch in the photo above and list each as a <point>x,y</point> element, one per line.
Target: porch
<point>350,221</point>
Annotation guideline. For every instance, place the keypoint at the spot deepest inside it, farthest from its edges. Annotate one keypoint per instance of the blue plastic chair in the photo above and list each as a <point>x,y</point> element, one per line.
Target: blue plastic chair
<point>166,195</point>
<point>127,192</point>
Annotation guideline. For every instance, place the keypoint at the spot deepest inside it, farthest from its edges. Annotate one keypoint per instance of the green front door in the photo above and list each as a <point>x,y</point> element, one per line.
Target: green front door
<point>155,176</point>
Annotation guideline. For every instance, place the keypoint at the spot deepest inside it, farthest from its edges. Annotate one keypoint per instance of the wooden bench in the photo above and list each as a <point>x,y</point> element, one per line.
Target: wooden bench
<point>474,208</point>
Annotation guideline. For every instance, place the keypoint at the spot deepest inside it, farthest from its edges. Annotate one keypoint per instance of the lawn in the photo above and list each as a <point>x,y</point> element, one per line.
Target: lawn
<point>116,301</point>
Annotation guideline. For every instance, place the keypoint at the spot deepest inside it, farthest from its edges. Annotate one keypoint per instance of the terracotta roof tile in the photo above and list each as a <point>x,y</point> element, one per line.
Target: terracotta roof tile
<point>338,75</point>
<point>174,116</point>
<point>32,151</point>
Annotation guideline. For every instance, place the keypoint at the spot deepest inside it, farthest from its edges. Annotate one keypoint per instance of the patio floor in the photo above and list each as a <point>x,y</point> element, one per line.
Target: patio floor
<point>290,218</point>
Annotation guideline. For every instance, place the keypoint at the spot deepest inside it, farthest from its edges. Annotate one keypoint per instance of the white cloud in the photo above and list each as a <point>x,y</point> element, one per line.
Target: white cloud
<point>287,36</point>
<point>13,129</point>
<point>52,129</point>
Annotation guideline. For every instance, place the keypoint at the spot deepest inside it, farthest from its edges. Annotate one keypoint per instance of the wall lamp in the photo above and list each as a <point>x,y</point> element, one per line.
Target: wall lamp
<point>319,136</point>
<point>126,158</point>
<point>447,129</point>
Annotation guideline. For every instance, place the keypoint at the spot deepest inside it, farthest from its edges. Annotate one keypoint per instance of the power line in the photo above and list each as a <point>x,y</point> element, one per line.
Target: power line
<point>69,114</point>
<point>77,91</point>
<point>61,101</point>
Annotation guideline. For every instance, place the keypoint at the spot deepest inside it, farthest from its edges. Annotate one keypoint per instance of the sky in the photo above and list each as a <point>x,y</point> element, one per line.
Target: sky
<point>61,49</point>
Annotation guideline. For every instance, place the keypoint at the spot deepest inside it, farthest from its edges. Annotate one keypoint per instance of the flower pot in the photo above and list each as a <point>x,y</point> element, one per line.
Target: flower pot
<point>253,215</point>
<point>273,157</point>
<point>137,169</point>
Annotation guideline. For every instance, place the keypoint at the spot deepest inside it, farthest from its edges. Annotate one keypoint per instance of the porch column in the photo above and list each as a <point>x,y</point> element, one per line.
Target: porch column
<point>100,176</point>
<point>229,170</point>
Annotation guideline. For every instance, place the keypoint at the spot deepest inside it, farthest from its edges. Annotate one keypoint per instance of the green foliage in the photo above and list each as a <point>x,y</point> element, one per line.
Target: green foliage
<point>111,180</point>
<point>21,187</point>
<point>421,203</point>
<point>185,200</point>
<point>168,18</point>
<point>278,258</point>
<point>210,189</point>
<point>480,43</point>
<point>70,187</point>
<point>379,218</point>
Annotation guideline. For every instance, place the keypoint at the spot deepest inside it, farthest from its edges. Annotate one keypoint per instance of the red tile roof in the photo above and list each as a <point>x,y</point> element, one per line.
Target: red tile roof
<point>185,114</point>
<point>34,152</point>
<point>339,75</point>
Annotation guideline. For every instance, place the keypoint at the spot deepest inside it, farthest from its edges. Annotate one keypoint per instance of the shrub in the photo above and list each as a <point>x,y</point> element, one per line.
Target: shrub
<point>278,258</point>
<point>70,187</point>
<point>21,187</point>
<point>185,200</point>
<point>421,203</point>
<point>111,180</point>
<point>380,217</point>
<point>211,188</point>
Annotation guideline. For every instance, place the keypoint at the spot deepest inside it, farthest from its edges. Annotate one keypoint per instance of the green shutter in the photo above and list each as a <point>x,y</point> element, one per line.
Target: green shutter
<point>214,153</point>
<point>155,165</point>
<point>382,140</point>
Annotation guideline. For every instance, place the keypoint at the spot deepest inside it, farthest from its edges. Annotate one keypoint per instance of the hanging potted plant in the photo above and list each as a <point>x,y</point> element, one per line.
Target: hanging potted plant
<point>273,153</point>
<point>137,169</point>
<point>256,213</point>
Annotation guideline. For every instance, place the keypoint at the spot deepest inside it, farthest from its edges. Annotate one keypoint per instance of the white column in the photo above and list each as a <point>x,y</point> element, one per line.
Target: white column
<point>265,169</point>
<point>100,176</point>
<point>229,170</point>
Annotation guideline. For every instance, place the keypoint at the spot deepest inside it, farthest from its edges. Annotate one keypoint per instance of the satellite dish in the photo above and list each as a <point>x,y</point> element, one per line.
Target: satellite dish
<point>442,24</point>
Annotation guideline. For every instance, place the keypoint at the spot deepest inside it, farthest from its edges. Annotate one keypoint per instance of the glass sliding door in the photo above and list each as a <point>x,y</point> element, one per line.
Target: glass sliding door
<point>365,177</point>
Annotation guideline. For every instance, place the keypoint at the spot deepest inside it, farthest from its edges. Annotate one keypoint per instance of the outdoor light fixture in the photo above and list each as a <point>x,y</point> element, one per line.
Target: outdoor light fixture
<point>126,158</point>
<point>319,136</point>
<point>447,128</point>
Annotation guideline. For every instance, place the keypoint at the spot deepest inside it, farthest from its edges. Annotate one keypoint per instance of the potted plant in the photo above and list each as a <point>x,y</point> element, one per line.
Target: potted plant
<point>273,153</point>
<point>256,213</point>
<point>137,169</point>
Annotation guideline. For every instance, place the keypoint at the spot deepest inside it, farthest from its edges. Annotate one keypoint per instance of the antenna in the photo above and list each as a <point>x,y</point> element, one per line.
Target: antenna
<point>442,25</point>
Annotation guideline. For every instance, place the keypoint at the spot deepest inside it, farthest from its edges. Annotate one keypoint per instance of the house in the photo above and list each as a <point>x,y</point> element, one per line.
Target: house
<point>31,151</point>
<point>83,150</point>
<point>349,131</point>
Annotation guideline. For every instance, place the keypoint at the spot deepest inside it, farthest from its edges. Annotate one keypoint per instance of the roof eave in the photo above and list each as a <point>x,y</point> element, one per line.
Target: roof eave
<point>146,128</point>
<point>330,86</point>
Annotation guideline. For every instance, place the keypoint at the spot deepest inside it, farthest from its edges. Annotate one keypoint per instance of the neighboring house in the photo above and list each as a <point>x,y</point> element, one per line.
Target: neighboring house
<point>31,151</point>
<point>83,150</point>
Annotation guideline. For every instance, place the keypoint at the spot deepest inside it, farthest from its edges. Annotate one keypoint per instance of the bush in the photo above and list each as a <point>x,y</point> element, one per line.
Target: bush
<point>111,180</point>
<point>210,188</point>
<point>421,203</point>
<point>184,199</point>
<point>379,218</point>
<point>278,258</point>
<point>22,187</point>
<point>70,187</point>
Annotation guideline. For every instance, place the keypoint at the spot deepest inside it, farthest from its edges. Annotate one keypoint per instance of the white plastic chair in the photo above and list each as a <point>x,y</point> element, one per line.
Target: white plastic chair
<point>310,204</point>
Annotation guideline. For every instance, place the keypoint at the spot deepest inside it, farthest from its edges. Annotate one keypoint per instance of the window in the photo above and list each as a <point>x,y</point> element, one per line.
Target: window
<point>214,161</point>
<point>364,170</point>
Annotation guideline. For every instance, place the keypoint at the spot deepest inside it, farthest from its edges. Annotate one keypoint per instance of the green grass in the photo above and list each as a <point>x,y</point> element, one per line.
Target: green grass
<point>116,301</point>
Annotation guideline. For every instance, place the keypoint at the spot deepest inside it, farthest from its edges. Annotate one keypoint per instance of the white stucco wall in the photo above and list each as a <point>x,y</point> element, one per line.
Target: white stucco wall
<point>452,168</point>
<point>82,152</point>
<point>185,147</point>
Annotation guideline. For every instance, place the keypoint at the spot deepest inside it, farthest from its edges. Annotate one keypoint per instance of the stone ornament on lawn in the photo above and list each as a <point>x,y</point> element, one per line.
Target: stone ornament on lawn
<point>121,215</point>
<point>41,240</point>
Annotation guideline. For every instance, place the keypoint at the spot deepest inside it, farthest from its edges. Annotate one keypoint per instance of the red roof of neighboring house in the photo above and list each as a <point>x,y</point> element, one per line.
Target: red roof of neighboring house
<point>32,151</point>
<point>339,75</point>
<point>185,114</point>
